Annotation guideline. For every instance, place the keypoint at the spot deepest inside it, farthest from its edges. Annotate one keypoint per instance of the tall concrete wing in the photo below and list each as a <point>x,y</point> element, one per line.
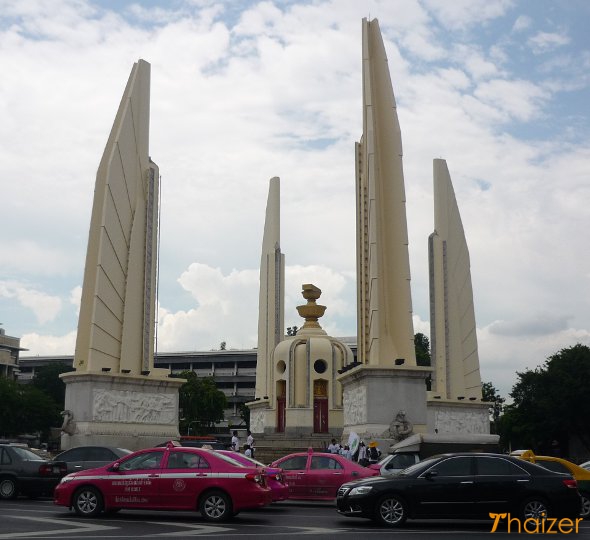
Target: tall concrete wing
<point>271,314</point>
<point>452,317</point>
<point>385,327</point>
<point>116,397</point>
<point>117,314</point>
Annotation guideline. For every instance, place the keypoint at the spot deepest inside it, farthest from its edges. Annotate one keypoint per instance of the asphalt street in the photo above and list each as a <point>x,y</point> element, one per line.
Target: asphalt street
<point>23,518</point>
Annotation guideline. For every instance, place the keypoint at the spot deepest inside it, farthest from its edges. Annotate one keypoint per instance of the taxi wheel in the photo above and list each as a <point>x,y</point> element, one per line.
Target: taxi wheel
<point>216,506</point>
<point>8,488</point>
<point>535,508</point>
<point>87,502</point>
<point>391,510</point>
<point>585,510</point>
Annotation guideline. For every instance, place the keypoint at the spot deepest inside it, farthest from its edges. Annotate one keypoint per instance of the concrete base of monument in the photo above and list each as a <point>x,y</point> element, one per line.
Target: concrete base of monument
<point>458,416</point>
<point>373,397</point>
<point>119,410</point>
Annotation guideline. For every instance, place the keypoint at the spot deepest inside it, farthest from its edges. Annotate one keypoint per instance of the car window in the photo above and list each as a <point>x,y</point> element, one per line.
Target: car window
<point>186,460</point>
<point>324,462</point>
<point>492,466</point>
<point>454,466</point>
<point>296,463</point>
<point>5,458</point>
<point>554,466</point>
<point>400,461</point>
<point>23,453</point>
<point>147,460</point>
<point>98,453</point>
<point>75,454</point>
<point>230,460</point>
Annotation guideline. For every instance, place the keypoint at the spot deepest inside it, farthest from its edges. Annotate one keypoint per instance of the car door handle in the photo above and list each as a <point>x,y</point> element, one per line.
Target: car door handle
<point>337,473</point>
<point>467,482</point>
<point>77,466</point>
<point>523,480</point>
<point>200,474</point>
<point>153,476</point>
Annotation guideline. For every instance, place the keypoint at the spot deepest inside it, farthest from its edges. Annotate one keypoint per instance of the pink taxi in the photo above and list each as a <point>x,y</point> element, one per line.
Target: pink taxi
<point>171,478</point>
<point>318,475</point>
<point>274,475</point>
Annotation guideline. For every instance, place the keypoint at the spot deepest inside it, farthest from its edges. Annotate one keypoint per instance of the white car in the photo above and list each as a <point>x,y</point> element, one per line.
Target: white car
<point>586,465</point>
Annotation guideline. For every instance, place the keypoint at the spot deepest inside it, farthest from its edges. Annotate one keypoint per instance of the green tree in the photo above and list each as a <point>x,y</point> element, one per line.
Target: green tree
<point>551,404</point>
<point>422,347</point>
<point>47,380</point>
<point>202,403</point>
<point>490,394</point>
<point>244,414</point>
<point>25,409</point>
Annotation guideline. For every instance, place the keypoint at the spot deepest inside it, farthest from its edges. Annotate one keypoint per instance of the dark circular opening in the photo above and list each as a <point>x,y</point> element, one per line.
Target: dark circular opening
<point>320,366</point>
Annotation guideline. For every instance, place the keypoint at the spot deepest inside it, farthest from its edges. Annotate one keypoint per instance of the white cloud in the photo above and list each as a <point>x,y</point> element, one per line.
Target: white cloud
<point>523,22</point>
<point>44,306</point>
<point>45,345</point>
<point>543,42</point>
<point>464,13</point>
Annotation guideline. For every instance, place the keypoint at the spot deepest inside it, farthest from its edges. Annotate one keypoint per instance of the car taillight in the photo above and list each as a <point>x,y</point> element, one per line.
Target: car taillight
<point>45,469</point>
<point>254,477</point>
<point>572,484</point>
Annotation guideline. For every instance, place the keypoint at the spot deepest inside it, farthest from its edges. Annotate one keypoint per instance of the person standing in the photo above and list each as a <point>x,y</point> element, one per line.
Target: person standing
<point>235,442</point>
<point>333,447</point>
<point>248,451</point>
<point>362,454</point>
<point>374,452</point>
<point>250,442</point>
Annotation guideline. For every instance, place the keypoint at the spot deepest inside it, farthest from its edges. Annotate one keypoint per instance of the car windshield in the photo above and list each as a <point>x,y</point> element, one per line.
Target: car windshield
<point>23,453</point>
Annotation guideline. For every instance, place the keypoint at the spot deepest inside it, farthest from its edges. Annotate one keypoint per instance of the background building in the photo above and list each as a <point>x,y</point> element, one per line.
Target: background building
<point>9,355</point>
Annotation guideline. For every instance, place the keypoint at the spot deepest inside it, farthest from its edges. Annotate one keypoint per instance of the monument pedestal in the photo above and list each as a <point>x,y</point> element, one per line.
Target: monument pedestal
<point>458,416</point>
<point>120,410</point>
<point>374,395</point>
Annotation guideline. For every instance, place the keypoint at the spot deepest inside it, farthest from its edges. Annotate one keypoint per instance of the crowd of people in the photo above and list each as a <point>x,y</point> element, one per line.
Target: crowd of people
<point>364,455</point>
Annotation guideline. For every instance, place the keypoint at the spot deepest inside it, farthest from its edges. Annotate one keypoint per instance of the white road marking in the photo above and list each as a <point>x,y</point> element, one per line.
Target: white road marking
<point>196,530</point>
<point>74,528</point>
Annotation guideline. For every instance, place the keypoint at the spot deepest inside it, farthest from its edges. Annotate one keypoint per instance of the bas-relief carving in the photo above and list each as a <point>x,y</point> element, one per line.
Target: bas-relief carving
<point>257,420</point>
<point>355,405</point>
<point>451,421</point>
<point>133,407</point>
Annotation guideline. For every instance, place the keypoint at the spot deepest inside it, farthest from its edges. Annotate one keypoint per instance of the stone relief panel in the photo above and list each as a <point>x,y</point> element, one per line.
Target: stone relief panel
<point>453,421</point>
<point>355,405</point>
<point>133,407</point>
<point>257,420</point>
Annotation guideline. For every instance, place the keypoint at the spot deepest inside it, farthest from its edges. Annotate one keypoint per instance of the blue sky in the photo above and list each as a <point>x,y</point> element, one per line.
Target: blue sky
<point>243,91</point>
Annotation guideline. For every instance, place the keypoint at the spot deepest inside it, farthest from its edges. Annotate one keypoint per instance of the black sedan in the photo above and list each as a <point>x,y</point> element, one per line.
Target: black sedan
<point>81,458</point>
<point>22,471</point>
<point>463,486</point>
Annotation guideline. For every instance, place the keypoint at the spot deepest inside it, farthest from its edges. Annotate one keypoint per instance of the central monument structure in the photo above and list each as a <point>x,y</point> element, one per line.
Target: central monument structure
<point>115,396</point>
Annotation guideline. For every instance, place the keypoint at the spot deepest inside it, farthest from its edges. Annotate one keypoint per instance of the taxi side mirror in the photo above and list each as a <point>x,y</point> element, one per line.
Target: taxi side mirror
<point>430,475</point>
<point>115,467</point>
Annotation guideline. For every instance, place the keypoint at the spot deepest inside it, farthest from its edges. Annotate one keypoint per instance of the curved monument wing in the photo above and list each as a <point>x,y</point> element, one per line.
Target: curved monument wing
<point>452,319</point>
<point>116,324</point>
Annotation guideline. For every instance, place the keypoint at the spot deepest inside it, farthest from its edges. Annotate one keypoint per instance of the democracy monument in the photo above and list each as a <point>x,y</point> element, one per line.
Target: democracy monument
<point>309,386</point>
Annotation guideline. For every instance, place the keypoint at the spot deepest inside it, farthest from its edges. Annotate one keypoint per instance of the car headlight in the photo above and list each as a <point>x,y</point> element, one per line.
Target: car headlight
<point>361,490</point>
<point>67,478</point>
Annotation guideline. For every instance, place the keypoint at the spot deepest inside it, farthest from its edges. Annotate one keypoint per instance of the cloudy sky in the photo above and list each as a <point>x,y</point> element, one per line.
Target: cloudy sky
<point>243,91</point>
